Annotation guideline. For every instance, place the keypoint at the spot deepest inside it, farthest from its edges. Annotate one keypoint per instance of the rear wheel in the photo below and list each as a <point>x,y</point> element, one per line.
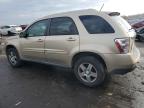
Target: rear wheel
<point>89,71</point>
<point>13,57</point>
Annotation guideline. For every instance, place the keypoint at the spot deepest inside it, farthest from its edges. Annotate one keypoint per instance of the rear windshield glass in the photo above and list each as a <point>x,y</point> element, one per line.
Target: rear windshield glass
<point>96,24</point>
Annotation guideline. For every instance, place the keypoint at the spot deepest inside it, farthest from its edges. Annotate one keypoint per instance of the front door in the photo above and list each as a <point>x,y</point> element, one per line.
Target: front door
<point>32,46</point>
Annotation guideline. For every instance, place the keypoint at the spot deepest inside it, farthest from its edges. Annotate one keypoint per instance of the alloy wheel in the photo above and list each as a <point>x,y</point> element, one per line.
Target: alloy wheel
<point>87,72</point>
<point>12,58</point>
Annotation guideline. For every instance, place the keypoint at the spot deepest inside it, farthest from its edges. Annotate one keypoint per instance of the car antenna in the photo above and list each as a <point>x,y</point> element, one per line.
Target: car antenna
<point>101,7</point>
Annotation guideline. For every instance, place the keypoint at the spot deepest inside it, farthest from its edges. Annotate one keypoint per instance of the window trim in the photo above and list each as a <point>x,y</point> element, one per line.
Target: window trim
<point>100,17</point>
<point>63,34</point>
<point>47,27</point>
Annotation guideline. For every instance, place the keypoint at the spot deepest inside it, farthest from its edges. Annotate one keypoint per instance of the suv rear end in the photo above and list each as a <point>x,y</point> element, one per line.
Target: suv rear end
<point>107,44</point>
<point>128,55</point>
<point>114,42</point>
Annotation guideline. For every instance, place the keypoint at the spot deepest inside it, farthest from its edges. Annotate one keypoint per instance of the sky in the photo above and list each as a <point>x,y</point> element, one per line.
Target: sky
<point>25,11</point>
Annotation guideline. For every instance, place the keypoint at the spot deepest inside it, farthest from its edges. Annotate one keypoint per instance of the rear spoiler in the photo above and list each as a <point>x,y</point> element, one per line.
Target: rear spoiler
<point>114,14</point>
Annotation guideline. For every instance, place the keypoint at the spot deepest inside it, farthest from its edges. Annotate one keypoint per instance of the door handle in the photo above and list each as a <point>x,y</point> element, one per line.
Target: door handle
<point>40,40</point>
<point>71,39</point>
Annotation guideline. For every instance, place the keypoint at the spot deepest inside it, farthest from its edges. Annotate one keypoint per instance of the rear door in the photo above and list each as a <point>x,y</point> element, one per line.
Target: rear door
<point>62,40</point>
<point>99,34</point>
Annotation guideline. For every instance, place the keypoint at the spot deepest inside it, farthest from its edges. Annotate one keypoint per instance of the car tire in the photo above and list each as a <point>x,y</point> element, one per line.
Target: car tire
<point>13,57</point>
<point>89,71</point>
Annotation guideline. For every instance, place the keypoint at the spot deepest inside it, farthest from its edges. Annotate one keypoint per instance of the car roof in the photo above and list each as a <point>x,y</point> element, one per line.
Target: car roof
<point>81,12</point>
<point>72,13</point>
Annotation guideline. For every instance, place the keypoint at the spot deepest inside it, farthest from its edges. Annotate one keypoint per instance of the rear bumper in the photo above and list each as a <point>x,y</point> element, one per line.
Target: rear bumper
<point>122,63</point>
<point>124,71</point>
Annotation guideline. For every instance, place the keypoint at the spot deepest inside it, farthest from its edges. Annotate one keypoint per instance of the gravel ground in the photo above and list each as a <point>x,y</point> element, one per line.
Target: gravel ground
<point>42,86</point>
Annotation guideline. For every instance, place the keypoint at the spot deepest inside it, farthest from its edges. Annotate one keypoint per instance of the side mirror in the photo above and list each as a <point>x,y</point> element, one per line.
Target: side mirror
<point>23,35</point>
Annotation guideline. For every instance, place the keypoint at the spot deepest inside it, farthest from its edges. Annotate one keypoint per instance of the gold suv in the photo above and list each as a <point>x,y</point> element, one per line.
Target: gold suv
<point>92,43</point>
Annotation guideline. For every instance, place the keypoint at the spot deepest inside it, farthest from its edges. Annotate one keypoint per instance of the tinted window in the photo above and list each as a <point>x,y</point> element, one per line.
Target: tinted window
<point>63,26</point>
<point>38,28</point>
<point>96,24</point>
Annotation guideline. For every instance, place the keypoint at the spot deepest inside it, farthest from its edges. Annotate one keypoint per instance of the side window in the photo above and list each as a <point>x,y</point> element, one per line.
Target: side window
<point>38,29</point>
<point>96,24</point>
<point>63,26</point>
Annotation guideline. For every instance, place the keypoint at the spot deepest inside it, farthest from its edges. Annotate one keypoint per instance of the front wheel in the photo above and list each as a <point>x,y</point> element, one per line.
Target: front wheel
<point>13,57</point>
<point>89,71</point>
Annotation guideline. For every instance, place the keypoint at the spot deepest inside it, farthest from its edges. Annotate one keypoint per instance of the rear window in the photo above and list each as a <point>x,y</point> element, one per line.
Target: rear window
<point>96,24</point>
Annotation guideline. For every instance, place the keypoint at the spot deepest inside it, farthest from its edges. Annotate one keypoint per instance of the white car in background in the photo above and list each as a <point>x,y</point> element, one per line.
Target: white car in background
<point>10,30</point>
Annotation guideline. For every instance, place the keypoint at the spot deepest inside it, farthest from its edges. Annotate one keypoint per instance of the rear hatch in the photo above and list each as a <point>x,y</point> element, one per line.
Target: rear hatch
<point>126,27</point>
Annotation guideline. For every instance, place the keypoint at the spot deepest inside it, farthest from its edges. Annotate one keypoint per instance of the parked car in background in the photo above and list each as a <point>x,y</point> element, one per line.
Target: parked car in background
<point>140,35</point>
<point>23,26</point>
<point>139,28</point>
<point>138,25</point>
<point>10,30</point>
<point>90,42</point>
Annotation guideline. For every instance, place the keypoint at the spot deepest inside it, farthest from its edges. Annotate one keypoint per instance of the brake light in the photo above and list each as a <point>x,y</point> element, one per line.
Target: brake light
<point>123,45</point>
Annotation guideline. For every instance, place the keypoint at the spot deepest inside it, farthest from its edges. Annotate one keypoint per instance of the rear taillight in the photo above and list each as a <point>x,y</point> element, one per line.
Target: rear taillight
<point>123,45</point>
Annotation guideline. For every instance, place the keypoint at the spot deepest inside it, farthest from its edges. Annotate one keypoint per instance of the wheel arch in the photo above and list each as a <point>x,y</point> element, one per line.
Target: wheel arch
<point>9,46</point>
<point>82,54</point>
